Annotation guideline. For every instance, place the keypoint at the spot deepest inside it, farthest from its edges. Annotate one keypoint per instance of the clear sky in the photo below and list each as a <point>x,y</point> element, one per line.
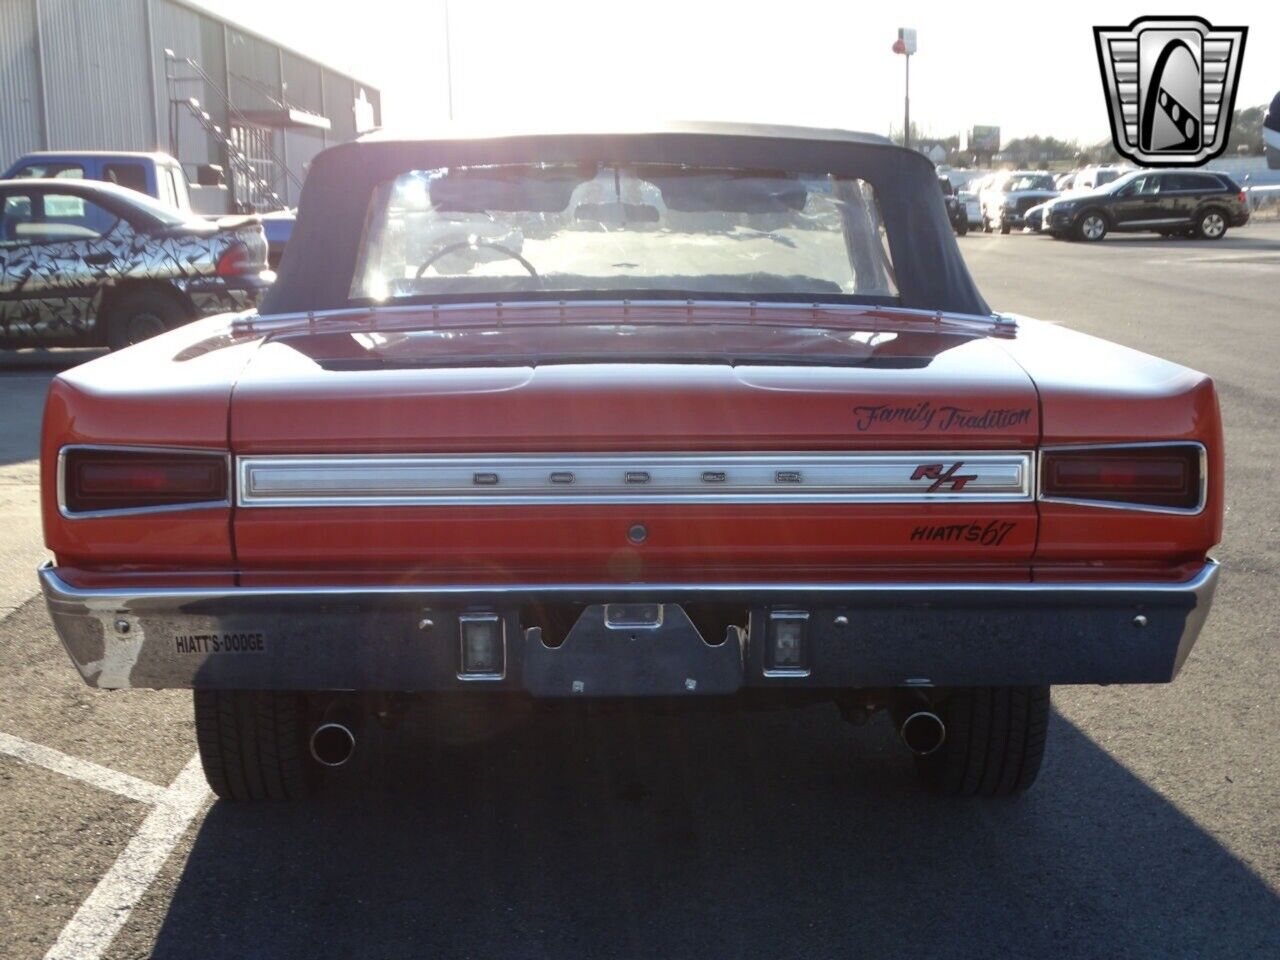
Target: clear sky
<point>1027,67</point>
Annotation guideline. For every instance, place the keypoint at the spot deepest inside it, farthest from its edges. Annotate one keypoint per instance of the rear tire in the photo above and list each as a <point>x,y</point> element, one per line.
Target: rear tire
<point>253,744</point>
<point>962,226</point>
<point>1004,226</point>
<point>1211,225</point>
<point>140,316</point>
<point>995,742</point>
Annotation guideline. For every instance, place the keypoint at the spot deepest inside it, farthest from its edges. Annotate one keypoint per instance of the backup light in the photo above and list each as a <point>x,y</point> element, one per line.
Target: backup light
<point>96,480</point>
<point>483,639</point>
<point>786,653</point>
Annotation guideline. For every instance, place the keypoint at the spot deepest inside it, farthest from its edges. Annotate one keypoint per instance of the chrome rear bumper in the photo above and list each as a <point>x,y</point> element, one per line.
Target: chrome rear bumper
<point>407,638</point>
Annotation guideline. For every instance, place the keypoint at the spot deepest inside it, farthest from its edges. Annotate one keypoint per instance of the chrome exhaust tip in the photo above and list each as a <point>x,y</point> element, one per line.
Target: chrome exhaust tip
<point>923,732</point>
<point>332,744</point>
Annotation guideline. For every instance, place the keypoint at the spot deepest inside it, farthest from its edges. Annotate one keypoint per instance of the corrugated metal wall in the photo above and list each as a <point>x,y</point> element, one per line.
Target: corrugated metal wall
<point>188,34</point>
<point>304,88</point>
<point>339,97</point>
<point>21,127</point>
<point>254,65</point>
<point>103,87</point>
<point>96,64</point>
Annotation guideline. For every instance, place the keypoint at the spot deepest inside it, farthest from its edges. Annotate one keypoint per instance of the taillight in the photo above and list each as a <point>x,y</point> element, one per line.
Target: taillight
<point>1241,197</point>
<point>1165,476</point>
<point>94,480</point>
<point>236,261</point>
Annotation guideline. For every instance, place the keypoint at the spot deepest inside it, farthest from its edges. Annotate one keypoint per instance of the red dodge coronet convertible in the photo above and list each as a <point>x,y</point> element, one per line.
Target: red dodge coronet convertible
<point>706,413</point>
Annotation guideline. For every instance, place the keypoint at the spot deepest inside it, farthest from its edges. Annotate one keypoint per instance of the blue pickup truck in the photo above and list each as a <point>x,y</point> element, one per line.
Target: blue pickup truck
<point>158,175</point>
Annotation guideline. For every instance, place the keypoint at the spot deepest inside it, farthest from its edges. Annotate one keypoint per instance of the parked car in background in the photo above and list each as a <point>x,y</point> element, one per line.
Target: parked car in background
<point>1007,198</point>
<point>1271,133</point>
<point>763,445</point>
<point>955,209</point>
<point>968,194</point>
<point>1091,178</point>
<point>1198,203</point>
<point>87,263</point>
<point>1033,219</point>
<point>159,176</point>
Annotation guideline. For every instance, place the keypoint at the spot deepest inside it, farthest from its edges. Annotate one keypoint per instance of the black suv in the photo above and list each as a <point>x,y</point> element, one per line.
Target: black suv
<point>955,209</point>
<point>1192,203</point>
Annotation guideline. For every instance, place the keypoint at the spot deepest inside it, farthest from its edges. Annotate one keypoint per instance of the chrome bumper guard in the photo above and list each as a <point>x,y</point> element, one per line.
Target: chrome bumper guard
<point>407,638</point>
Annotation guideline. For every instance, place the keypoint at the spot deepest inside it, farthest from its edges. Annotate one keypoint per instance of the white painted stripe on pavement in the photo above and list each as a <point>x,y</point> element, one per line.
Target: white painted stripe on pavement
<point>89,933</point>
<point>69,766</point>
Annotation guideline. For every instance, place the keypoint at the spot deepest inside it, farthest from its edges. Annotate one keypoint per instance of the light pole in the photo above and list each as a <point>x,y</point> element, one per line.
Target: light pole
<point>448,58</point>
<point>906,45</point>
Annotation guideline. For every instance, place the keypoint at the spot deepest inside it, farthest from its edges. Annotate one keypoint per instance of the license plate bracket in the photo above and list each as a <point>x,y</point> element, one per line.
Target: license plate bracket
<point>603,657</point>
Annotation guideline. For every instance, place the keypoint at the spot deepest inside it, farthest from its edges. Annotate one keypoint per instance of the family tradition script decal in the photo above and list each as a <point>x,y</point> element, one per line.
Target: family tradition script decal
<point>926,415</point>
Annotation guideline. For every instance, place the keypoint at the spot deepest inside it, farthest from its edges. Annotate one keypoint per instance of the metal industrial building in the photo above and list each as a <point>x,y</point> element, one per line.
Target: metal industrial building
<point>169,75</point>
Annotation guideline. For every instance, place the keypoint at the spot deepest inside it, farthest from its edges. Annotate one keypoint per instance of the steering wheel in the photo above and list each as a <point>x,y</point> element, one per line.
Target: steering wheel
<point>475,244</point>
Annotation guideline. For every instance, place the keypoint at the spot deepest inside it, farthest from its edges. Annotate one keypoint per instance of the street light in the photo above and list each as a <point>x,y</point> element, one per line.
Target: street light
<point>906,45</point>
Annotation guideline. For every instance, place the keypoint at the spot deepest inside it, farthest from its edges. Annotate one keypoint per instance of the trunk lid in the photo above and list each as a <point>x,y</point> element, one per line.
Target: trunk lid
<point>628,386</point>
<point>586,390</point>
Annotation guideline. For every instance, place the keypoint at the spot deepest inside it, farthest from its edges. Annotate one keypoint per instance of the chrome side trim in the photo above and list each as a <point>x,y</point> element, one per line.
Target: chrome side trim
<point>405,480</point>
<point>1138,507</point>
<point>136,511</point>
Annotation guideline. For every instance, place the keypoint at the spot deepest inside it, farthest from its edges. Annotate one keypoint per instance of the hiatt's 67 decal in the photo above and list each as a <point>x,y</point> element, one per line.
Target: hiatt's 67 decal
<point>925,416</point>
<point>220,643</point>
<point>991,534</point>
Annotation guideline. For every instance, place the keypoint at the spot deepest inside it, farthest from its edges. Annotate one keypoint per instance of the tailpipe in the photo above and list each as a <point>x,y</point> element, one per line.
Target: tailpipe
<point>332,743</point>
<point>923,732</point>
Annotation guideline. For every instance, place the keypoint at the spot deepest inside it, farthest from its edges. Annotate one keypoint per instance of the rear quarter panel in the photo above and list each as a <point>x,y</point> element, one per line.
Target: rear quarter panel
<point>142,397</point>
<point>1093,391</point>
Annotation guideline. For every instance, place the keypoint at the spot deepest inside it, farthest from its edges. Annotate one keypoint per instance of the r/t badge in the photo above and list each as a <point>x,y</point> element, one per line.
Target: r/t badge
<point>1171,88</point>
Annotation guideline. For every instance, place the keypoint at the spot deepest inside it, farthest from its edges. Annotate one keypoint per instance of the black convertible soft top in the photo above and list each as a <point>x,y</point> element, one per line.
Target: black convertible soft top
<point>322,253</point>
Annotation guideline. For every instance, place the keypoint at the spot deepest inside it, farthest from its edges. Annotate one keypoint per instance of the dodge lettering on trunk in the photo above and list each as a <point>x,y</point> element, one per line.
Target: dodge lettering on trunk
<point>704,413</point>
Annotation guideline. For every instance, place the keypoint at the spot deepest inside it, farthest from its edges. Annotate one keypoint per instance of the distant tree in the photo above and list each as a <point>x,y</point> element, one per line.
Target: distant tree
<point>1104,151</point>
<point>1039,149</point>
<point>1246,131</point>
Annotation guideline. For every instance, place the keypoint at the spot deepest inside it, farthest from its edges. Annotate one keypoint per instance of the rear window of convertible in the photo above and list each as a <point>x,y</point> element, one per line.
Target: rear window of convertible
<point>626,228</point>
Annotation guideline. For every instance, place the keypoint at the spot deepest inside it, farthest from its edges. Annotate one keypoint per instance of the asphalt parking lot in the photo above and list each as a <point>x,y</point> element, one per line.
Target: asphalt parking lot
<point>1154,830</point>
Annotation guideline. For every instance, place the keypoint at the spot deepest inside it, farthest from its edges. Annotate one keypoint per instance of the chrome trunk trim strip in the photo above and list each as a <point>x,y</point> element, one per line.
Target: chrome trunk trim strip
<point>497,313</point>
<point>519,479</point>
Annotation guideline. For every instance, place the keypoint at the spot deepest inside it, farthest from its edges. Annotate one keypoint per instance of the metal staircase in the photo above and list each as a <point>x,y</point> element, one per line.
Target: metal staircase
<point>258,174</point>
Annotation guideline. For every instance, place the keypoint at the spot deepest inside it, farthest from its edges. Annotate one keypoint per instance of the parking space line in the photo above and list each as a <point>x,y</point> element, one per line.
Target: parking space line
<point>69,766</point>
<point>89,933</point>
